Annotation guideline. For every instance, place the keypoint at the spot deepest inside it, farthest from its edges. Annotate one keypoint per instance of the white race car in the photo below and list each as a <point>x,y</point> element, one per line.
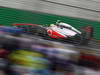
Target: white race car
<point>60,31</point>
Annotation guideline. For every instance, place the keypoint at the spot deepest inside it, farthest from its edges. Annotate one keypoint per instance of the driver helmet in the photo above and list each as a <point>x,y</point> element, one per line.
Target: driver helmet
<point>51,25</point>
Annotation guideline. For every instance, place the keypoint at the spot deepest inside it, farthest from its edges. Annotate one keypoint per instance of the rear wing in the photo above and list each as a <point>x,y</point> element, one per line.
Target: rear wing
<point>88,31</point>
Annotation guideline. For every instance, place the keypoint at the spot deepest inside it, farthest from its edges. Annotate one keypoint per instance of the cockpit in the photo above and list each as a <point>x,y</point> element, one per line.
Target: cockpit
<point>61,26</point>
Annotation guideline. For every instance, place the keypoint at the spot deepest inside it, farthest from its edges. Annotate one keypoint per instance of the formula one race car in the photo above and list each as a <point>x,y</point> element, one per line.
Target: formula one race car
<point>60,31</point>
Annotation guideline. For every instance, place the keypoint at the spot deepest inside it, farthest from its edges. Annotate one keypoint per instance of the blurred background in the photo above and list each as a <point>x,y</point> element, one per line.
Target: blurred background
<point>26,56</point>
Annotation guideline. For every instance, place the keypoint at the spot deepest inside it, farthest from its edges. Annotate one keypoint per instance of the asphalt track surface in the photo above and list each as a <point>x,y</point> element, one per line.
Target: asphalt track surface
<point>93,46</point>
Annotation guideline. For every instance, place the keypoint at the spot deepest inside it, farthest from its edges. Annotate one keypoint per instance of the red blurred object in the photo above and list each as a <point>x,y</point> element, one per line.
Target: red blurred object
<point>89,30</point>
<point>3,53</point>
<point>89,60</point>
<point>23,24</point>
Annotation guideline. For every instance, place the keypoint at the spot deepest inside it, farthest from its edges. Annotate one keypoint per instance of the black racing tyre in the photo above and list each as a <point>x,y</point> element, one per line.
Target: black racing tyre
<point>79,40</point>
<point>41,31</point>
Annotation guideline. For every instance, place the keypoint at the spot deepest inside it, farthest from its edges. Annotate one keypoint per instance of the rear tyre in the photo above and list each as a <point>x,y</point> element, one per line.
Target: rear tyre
<point>80,40</point>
